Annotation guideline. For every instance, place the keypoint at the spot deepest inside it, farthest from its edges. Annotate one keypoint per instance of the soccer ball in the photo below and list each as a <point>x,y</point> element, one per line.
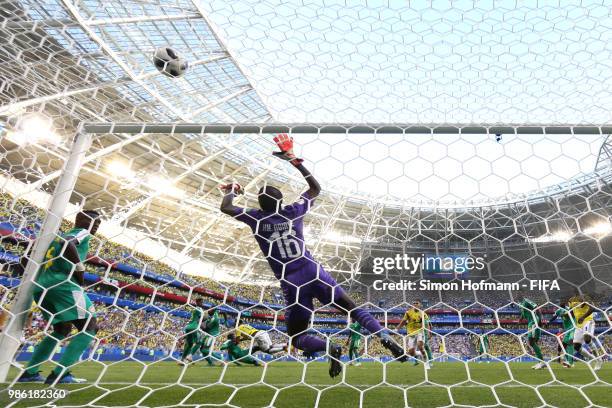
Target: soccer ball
<point>168,62</point>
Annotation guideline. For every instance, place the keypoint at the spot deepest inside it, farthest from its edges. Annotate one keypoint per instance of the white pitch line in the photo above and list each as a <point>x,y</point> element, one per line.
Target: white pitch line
<point>201,385</point>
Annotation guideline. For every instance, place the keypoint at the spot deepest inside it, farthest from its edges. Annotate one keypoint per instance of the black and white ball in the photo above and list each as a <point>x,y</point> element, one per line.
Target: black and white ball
<point>168,62</point>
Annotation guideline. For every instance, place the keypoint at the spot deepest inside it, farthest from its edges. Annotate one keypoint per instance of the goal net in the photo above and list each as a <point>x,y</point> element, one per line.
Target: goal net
<point>172,274</point>
<point>447,242</point>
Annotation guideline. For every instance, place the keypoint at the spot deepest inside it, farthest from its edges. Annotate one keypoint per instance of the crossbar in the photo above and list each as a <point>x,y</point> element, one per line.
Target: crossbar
<point>345,128</point>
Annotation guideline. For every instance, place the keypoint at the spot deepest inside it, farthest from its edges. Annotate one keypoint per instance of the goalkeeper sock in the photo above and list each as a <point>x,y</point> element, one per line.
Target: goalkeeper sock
<point>368,321</point>
<point>43,351</point>
<point>310,344</point>
<point>74,350</point>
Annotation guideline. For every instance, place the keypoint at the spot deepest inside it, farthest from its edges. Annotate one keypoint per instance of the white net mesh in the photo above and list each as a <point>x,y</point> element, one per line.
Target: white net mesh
<point>460,61</point>
<point>172,278</point>
<point>163,247</point>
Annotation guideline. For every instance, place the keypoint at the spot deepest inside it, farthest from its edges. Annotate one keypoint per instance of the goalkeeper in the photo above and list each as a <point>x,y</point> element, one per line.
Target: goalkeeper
<point>534,320</point>
<point>235,354</point>
<point>279,231</point>
<point>60,295</point>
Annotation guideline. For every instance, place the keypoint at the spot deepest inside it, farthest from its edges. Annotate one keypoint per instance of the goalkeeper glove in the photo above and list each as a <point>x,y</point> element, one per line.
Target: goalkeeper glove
<point>285,144</point>
<point>231,187</point>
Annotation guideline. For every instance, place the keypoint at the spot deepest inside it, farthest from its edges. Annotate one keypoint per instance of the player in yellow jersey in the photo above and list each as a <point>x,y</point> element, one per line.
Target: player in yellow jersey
<point>442,350</point>
<point>259,339</point>
<point>585,329</point>
<point>414,319</point>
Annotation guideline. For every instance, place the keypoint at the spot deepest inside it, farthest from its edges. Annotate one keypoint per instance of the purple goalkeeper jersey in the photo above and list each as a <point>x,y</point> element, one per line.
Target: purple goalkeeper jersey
<point>280,235</point>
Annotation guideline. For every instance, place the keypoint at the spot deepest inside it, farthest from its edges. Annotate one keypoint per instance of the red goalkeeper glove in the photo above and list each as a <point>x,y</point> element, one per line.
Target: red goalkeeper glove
<point>285,144</point>
<point>231,187</point>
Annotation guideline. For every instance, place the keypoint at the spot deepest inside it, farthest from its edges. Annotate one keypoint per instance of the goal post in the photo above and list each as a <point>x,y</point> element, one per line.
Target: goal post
<point>11,335</point>
<point>164,193</point>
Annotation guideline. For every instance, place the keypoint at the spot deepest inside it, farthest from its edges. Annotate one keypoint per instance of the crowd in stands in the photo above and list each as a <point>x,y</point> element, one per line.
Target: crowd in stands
<point>147,330</point>
<point>509,345</point>
<point>143,331</point>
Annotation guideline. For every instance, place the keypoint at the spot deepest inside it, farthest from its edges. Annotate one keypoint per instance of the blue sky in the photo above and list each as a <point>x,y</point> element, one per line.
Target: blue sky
<point>411,62</point>
<point>447,168</point>
<point>465,62</point>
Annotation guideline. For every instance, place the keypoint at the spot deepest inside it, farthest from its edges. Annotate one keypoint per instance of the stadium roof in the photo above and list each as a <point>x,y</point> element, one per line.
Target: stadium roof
<point>101,52</point>
<point>442,61</point>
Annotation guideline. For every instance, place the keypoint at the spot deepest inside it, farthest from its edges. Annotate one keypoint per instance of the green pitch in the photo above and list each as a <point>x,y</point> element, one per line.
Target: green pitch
<point>279,385</point>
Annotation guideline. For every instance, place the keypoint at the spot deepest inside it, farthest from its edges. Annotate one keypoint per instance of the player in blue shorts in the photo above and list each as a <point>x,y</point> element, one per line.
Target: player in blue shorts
<point>279,231</point>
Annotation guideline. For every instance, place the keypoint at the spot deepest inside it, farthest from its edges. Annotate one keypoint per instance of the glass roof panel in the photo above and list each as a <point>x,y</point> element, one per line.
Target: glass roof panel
<point>423,62</point>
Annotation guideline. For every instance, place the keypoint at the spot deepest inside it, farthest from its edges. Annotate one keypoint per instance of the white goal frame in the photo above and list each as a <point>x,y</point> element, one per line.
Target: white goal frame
<point>11,336</point>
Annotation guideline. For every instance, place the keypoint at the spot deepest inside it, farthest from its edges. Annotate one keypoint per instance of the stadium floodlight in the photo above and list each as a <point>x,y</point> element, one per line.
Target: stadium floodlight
<point>162,185</point>
<point>336,236</point>
<point>603,228</point>
<point>34,128</point>
<point>561,236</point>
<point>120,168</point>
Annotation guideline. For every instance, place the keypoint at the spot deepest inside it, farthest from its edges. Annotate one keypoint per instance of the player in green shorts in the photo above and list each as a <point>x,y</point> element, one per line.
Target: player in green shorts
<point>354,343</point>
<point>192,332</point>
<point>58,291</point>
<point>427,326</point>
<point>235,354</point>
<point>565,313</point>
<point>211,329</point>
<point>483,348</point>
<point>534,319</point>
